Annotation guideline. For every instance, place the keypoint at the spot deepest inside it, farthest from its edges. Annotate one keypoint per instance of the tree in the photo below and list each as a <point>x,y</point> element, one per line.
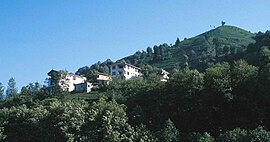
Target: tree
<point>177,42</point>
<point>149,51</point>
<point>187,81</point>
<point>31,91</point>
<point>64,120</point>
<point>222,23</point>
<point>11,88</point>
<point>236,135</point>
<point>259,135</point>
<point>156,53</point>
<point>217,44</point>
<point>169,132</point>
<point>148,70</point>
<point>2,135</point>
<point>144,135</point>
<point>1,91</point>
<point>206,137</point>
<point>184,62</point>
<point>22,124</point>
<point>242,72</point>
<point>107,122</point>
<point>92,75</point>
<point>162,49</point>
<point>264,56</point>
<point>217,78</point>
<point>58,82</point>
<point>197,137</point>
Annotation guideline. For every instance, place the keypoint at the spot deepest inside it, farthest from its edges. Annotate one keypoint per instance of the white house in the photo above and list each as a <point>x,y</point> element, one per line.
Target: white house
<point>125,70</point>
<point>164,74</point>
<point>67,80</point>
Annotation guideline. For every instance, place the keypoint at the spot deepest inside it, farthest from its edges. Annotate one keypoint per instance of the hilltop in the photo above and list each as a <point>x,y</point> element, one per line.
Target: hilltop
<point>211,46</point>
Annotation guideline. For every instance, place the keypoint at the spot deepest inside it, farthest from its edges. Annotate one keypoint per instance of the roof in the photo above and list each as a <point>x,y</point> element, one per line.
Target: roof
<point>99,73</point>
<point>164,71</point>
<point>125,64</point>
<point>70,74</point>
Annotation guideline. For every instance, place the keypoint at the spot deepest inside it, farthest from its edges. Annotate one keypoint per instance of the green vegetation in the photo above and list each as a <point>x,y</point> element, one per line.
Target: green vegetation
<point>225,43</point>
<point>222,44</point>
<point>226,101</point>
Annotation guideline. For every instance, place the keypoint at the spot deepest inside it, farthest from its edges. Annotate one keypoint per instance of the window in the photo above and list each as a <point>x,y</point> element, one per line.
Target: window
<point>120,73</point>
<point>127,73</point>
<point>120,66</point>
<point>113,73</point>
<point>113,67</point>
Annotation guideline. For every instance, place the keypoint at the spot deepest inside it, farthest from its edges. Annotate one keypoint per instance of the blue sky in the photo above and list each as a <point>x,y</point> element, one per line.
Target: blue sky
<point>38,35</point>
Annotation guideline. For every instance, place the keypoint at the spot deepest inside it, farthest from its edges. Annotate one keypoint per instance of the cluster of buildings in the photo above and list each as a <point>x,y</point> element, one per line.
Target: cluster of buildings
<point>75,83</point>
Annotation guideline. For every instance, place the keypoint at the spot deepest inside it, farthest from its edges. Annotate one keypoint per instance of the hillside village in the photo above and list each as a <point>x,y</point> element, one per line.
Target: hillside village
<point>213,87</point>
<point>134,71</point>
<point>224,43</point>
<point>70,82</point>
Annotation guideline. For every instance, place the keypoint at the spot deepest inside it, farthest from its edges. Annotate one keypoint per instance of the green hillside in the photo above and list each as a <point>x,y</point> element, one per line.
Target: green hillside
<point>224,43</point>
<point>230,35</point>
<point>223,103</point>
<point>213,46</point>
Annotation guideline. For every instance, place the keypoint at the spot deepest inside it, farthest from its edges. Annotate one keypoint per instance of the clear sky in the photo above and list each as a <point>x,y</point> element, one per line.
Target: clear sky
<point>39,35</point>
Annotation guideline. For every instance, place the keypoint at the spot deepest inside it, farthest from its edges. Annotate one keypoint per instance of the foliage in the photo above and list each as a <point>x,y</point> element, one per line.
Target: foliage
<point>1,91</point>
<point>2,136</point>
<point>90,72</point>
<point>189,81</point>
<point>34,91</point>
<point>57,82</point>
<point>11,88</point>
<point>107,121</point>
<point>222,44</point>
<point>169,132</point>
<point>235,135</point>
<point>242,72</point>
<point>22,123</point>
<point>144,135</point>
<point>217,78</point>
<point>66,119</point>
<point>197,137</point>
<point>259,135</point>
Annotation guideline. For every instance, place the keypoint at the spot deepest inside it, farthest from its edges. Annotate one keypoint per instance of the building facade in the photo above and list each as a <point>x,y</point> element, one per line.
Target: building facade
<point>83,87</point>
<point>103,79</point>
<point>67,81</point>
<point>125,70</point>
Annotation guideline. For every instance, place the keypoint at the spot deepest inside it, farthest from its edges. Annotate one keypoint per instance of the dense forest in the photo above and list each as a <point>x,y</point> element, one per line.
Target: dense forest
<point>217,91</point>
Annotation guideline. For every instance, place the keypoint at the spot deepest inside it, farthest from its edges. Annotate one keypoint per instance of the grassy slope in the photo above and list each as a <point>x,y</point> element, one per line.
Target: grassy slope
<point>203,44</point>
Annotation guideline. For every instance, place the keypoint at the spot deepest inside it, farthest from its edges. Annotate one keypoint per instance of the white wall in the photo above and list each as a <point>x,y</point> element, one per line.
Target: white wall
<point>70,81</point>
<point>127,71</point>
